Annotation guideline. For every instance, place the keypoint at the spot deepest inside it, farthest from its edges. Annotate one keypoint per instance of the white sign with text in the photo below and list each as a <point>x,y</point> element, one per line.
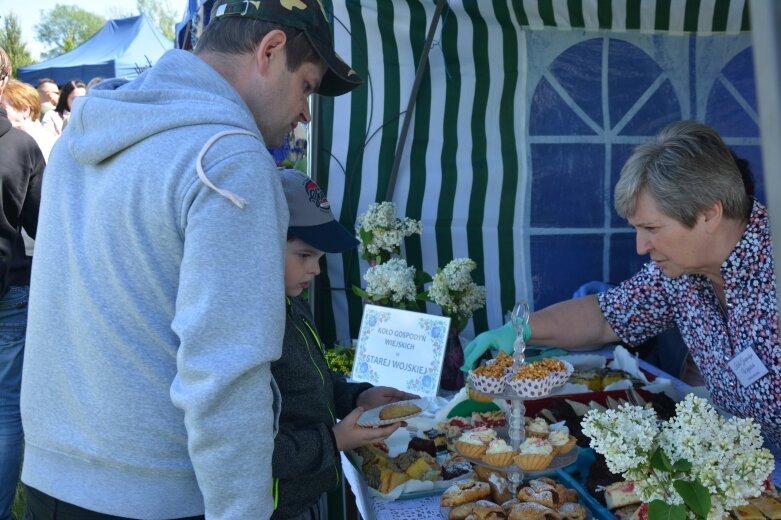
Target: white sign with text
<point>401,349</point>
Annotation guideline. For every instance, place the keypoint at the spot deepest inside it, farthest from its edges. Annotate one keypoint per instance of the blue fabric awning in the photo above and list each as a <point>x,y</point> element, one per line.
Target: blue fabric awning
<point>122,49</point>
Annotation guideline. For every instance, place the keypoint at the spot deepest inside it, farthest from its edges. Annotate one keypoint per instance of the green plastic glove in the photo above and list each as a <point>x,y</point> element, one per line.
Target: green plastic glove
<point>501,338</point>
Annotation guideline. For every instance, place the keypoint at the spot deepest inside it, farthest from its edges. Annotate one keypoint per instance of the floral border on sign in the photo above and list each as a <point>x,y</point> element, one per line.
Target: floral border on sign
<point>438,333</point>
<point>372,318</point>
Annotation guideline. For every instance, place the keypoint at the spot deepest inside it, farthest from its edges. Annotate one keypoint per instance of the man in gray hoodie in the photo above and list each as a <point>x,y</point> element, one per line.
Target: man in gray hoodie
<point>157,302</point>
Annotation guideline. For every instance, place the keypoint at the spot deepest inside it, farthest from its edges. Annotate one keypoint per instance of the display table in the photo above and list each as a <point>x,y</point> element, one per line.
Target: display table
<point>427,508</point>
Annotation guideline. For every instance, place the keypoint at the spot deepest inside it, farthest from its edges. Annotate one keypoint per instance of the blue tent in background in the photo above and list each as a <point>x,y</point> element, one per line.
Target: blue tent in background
<point>121,49</point>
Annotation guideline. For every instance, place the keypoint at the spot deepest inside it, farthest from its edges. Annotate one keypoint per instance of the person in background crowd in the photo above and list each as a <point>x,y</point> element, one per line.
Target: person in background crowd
<point>20,101</point>
<point>21,170</point>
<point>94,81</point>
<point>306,450</point>
<point>157,301</point>
<point>49,94</point>
<point>56,120</point>
<point>711,273</point>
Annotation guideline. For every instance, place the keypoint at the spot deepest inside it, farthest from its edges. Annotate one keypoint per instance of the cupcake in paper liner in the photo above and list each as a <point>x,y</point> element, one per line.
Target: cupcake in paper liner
<point>489,379</point>
<point>503,360</point>
<point>498,453</point>
<point>561,441</point>
<point>560,370</point>
<point>534,454</point>
<point>532,387</point>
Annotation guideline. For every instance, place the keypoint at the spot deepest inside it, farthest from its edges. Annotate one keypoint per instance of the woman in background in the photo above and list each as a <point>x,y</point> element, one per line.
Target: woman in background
<point>56,120</point>
<point>22,104</point>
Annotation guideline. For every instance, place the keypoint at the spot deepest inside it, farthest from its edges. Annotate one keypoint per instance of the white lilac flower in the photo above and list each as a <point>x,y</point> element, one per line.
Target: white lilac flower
<point>452,289</point>
<point>726,455</point>
<point>624,436</point>
<point>392,281</point>
<point>381,232</point>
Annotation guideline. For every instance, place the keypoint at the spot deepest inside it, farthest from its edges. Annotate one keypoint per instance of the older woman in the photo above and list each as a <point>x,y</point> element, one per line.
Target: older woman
<point>711,274</point>
<point>22,104</point>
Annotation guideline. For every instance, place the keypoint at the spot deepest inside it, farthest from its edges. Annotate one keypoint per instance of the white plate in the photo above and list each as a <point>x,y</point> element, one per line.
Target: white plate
<point>372,417</point>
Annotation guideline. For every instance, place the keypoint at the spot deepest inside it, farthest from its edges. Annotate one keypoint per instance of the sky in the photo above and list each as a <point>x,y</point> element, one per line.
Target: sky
<point>29,13</point>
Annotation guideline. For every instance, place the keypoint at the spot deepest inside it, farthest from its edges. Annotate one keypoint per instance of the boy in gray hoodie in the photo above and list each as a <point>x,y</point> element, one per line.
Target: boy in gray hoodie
<point>157,303</point>
<point>306,451</point>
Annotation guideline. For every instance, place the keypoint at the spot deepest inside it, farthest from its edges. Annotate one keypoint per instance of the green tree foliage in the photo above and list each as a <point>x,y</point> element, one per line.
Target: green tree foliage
<point>65,27</point>
<point>11,41</point>
<point>161,14</point>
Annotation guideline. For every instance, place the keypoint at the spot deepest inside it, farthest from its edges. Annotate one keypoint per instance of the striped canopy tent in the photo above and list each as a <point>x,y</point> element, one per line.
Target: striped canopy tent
<point>524,114</point>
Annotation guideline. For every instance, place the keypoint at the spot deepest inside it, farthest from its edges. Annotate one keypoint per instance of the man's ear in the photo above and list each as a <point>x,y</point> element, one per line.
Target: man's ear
<point>271,48</point>
<point>713,215</point>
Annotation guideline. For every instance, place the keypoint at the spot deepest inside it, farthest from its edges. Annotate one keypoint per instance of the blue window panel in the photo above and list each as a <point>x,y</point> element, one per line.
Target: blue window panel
<point>753,154</point>
<point>631,72</point>
<point>727,116</point>
<point>661,109</point>
<point>740,73</point>
<point>579,71</point>
<point>725,110</point>
<point>568,185</point>
<point>562,263</point>
<point>624,260</point>
<point>550,115</point>
<point>620,153</point>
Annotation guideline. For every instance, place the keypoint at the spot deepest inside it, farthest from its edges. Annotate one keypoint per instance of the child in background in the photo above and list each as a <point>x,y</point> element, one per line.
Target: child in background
<point>306,461</point>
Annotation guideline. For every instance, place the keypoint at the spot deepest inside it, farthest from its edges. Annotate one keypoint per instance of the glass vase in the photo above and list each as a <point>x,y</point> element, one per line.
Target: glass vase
<point>452,377</point>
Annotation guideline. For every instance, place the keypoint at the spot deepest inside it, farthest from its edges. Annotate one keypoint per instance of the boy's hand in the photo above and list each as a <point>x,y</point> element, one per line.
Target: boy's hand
<point>380,395</point>
<point>349,435</point>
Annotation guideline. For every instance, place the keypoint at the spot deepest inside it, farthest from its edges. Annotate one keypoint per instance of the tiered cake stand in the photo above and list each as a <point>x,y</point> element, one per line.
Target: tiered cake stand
<point>516,425</point>
<point>517,434</point>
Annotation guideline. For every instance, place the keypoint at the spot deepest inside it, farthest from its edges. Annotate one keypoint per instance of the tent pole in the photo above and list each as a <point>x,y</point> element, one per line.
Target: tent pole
<point>411,103</point>
<point>313,170</point>
<point>766,36</point>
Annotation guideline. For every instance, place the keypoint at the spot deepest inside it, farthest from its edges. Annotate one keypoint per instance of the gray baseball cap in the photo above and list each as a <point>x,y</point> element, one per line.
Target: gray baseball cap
<point>311,218</point>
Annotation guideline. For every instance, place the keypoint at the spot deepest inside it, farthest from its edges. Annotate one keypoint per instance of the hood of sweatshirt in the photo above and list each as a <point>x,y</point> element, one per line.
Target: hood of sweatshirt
<point>5,124</point>
<point>178,91</point>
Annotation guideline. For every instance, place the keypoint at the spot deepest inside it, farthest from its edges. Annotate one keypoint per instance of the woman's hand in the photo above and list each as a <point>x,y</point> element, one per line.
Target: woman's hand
<point>349,435</point>
<point>380,395</point>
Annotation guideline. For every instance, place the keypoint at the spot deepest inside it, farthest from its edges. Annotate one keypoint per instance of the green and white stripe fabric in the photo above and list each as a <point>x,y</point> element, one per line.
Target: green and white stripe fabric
<point>463,129</point>
<point>465,166</point>
<point>672,16</point>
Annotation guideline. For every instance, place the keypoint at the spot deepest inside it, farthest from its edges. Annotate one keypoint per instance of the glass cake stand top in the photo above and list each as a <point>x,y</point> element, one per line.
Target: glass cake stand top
<point>519,318</point>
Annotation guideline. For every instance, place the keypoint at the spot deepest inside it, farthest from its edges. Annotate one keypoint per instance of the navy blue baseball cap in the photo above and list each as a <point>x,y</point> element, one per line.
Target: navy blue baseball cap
<point>311,218</point>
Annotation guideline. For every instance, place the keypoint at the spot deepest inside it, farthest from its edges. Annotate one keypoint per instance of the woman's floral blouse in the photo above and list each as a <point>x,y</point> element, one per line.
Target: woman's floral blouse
<point>650,302</point>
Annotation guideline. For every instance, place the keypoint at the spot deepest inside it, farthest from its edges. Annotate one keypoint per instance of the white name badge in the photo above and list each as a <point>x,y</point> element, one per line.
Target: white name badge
<point>401,349</point>
<point>747,367</point>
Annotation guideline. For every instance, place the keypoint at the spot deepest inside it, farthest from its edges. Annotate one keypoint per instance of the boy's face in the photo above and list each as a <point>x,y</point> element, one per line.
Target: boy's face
<point>302,264</point>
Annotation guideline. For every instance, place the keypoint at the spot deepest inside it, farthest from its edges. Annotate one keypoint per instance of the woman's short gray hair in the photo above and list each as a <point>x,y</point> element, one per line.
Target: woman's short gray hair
<point>686,168</point>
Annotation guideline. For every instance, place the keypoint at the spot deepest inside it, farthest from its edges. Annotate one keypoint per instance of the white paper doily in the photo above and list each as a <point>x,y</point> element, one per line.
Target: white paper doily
<point>420,509</point>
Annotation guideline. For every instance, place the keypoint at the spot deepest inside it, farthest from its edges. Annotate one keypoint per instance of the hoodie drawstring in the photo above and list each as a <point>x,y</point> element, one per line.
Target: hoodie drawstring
<point>235,199</point>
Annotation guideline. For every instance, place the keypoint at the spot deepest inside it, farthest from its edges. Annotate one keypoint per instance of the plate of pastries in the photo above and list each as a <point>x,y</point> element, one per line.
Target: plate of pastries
<point>489,496</point>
